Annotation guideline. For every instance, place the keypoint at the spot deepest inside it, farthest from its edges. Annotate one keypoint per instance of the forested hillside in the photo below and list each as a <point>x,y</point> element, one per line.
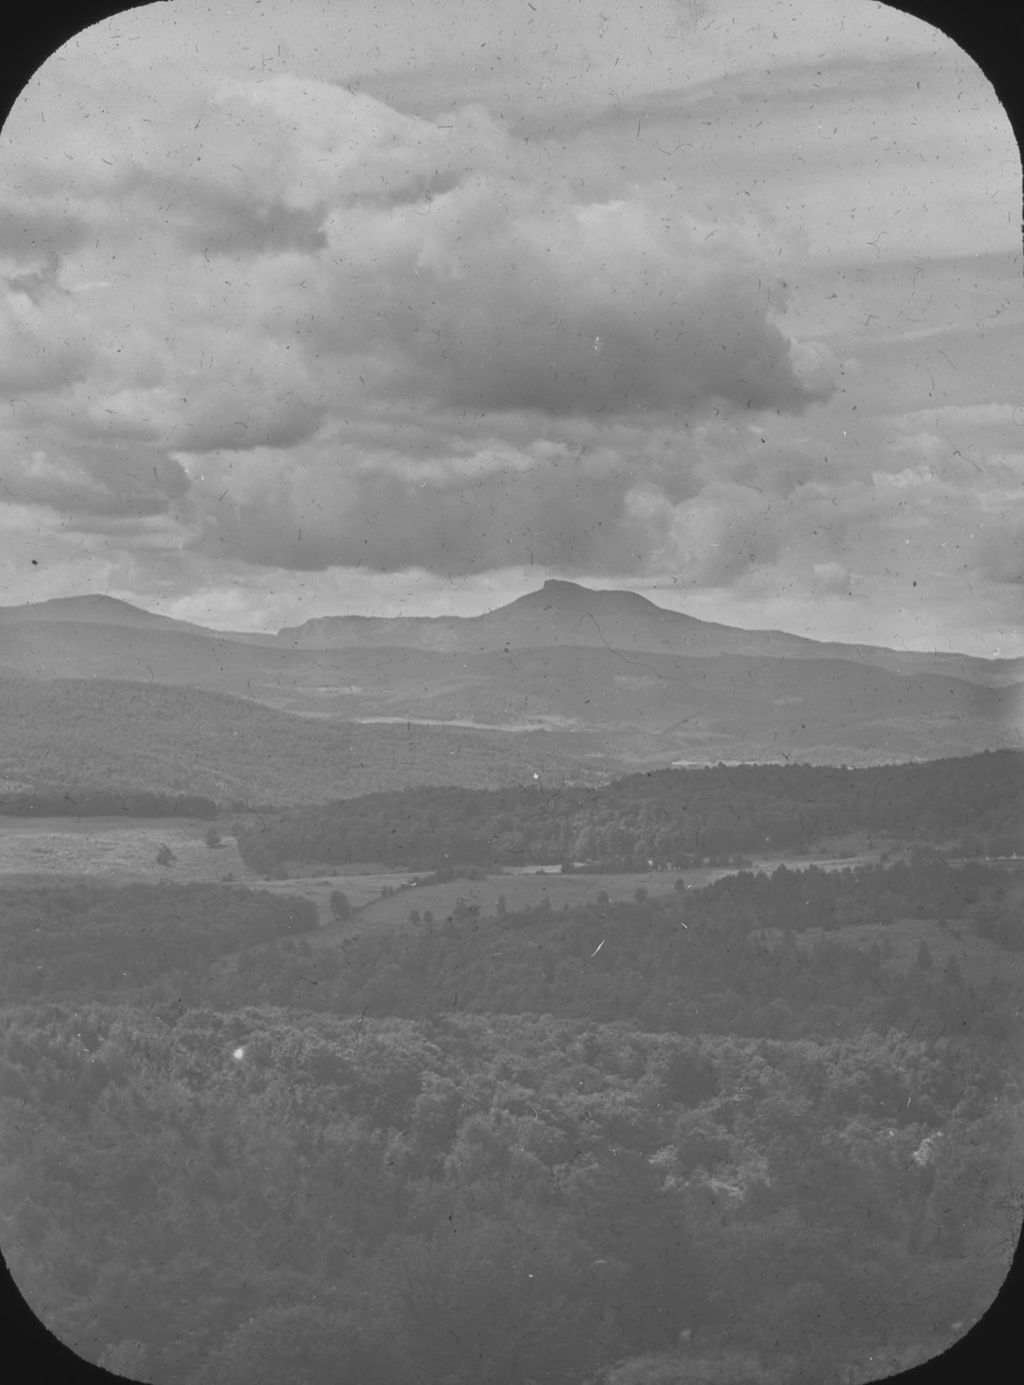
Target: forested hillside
<point>696,960</point>
<point>95,939</point>
<point>258,1197</point>
<point>97,734</point>
<point>693,962</point>
<point>664,816</point>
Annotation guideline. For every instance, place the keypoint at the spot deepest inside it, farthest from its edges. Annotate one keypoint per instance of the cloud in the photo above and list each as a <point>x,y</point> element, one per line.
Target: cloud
<point>44,342</point>
<point>95,482</point>
<point>34,233</point>
<point>831,578</point>
<point>631,322</point>
<point>526,299</point>
<point>496,504</point>
<point>323,331</point>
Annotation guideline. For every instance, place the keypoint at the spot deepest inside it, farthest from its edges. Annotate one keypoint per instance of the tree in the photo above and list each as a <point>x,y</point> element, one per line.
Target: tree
<point>493,1298</point>
<point>628,1218</point>
<point>341,908</point>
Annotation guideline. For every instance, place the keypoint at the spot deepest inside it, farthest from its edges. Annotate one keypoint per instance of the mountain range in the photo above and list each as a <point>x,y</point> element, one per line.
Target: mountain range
<point>592,682</point>
<point>564,613</point>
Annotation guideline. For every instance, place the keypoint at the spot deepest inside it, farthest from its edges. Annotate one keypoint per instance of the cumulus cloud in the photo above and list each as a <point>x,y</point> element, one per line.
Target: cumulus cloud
<point>95,481</point>
<point>421,344</point>
<point>493,505</point>
<point>257,322</point>
<point>521,298</point>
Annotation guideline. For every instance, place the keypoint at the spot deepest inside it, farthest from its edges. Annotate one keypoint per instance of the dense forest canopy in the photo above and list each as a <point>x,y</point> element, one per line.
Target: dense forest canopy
<point>97,939</point>
<point>665,816</point>
<point>262,1196</point>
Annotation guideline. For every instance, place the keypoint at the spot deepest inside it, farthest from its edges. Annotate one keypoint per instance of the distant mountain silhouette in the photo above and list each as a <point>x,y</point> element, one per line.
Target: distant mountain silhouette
<point>565,613</point>
<point>92,609</point>
<point>605,675</point>
<point>558,613</point>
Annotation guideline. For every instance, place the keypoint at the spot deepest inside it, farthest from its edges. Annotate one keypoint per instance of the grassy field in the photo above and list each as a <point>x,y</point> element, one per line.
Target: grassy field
<point>116,849</point>
<point>362,888</point>
<point>125,849</point>
<point>526,890</point>
<point>519,892</point>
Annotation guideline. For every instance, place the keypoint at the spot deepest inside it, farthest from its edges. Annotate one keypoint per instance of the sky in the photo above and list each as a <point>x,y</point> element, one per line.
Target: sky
<point>402,308</point>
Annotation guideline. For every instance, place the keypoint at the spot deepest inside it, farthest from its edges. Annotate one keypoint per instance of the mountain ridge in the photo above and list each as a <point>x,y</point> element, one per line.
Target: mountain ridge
<point>598,681</point>
<point>556,599</point>
<point>562,612</point>
<point>97,608</point>
<point>558,614</point>
<point>94,607</point>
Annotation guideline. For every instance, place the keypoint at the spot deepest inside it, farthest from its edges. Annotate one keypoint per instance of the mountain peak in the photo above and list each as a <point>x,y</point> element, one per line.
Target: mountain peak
<point>90,607</point>
<point>559,594</point>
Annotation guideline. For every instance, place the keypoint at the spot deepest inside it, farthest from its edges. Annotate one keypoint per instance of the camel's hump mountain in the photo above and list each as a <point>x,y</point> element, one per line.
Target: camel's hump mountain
<point>562,613</point>
<point>101,636</point>
<point>559,612</point>
<point>652,685</point>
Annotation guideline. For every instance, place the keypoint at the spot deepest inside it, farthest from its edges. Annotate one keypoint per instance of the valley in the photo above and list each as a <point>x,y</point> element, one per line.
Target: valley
<point>125,851</point>
<point>427,927</point>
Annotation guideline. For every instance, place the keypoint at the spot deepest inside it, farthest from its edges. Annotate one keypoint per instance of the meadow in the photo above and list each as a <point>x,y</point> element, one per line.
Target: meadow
<point>520,889</point>
<point>116,849</point>
<point>125,850</point>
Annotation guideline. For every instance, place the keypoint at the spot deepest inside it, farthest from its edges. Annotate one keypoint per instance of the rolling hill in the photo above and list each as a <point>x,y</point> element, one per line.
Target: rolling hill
<point>122,735</point>
<point>88,610</point>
